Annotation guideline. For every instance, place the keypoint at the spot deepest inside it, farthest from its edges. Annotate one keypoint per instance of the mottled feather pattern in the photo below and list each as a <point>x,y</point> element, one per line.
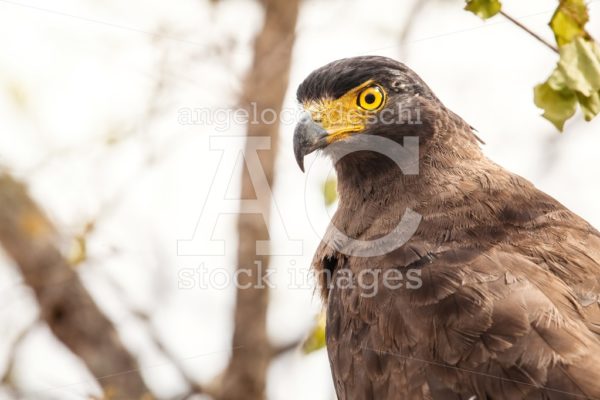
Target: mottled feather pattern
<point>508,307</point>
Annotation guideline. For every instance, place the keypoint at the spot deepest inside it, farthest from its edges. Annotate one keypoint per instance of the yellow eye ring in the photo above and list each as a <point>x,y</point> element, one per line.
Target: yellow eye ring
<point>371,98</point>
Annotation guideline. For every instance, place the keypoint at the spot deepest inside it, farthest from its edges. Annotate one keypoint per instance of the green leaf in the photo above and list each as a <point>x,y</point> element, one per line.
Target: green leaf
<point>484,8</point>
<point>576,79</point>
<point>569,20</point>
<point>330,191</point>
<point>590,106</point>
<point>557,80</point>
<point>580,65</point>
<point>558,104</point>
<point>316,339</point>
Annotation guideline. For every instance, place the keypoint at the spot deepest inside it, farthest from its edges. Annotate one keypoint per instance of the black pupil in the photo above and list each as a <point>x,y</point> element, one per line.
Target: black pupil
<point>370,98</point>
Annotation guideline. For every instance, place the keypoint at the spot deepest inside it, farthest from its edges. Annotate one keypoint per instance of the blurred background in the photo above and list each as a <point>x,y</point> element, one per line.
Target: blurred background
<point>116,117</point>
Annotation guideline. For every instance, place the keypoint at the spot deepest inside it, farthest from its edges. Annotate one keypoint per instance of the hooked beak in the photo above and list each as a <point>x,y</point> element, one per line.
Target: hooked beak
<point>308,137</point>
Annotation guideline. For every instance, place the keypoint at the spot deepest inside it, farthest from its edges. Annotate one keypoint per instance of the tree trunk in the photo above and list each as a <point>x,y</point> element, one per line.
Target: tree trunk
<point>65,305</point>
<point>266,85</point>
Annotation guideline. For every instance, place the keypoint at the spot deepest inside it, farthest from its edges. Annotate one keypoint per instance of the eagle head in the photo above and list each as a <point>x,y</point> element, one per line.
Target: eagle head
<point>359,96</point>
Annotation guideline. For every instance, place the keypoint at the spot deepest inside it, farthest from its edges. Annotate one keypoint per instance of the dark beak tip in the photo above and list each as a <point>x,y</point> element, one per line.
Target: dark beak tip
<point>300,161</point>
<point>301,165</point>
<point>299,155</point>
<point>308,137</point>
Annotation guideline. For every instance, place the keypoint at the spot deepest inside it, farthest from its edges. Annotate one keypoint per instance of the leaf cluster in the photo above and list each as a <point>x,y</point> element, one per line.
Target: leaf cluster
<point>575,80</point>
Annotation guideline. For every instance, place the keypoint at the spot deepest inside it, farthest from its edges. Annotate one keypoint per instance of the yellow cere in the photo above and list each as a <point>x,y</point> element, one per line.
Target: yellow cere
<point>349,113</point>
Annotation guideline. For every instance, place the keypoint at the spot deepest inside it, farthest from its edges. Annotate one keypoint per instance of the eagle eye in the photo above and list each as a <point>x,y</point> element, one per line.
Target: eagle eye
<point>371,98</point>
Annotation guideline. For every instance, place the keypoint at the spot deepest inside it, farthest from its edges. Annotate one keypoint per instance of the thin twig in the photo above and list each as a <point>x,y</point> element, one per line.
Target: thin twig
<point>413,16</point>
<point>526,29</point>
<point>194,387</point>
<point>277,351</point>
<point>7,376</point>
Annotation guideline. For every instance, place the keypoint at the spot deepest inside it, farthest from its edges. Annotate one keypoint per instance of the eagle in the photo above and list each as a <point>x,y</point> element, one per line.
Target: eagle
<point>444,276</point>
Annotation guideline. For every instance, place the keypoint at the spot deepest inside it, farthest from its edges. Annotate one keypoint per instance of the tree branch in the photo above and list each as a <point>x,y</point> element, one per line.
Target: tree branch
<point>529,31</point>
<point>416,9</point>
<point>277,351</point>
<point>265,86</point>
<point>65,305</point>
<point>7,377</point>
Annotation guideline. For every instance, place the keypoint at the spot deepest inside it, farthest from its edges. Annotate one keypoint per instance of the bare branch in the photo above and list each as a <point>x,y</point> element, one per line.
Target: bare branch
<point>277,351</point>
<point>265,86</point>
<point>529,31</point>
<point>32,242</point>
<point>7,377</point>
<point>143,317</point>
<point>413,16</point>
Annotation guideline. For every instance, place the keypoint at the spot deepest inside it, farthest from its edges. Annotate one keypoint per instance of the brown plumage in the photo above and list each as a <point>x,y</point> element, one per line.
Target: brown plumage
<point>508,307</point>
